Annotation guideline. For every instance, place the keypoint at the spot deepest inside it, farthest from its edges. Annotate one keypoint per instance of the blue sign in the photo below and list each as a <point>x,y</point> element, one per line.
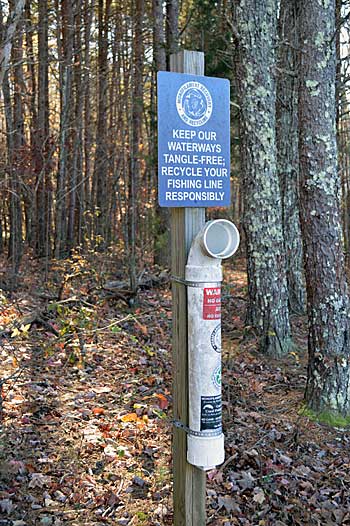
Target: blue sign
<point>193,140</point>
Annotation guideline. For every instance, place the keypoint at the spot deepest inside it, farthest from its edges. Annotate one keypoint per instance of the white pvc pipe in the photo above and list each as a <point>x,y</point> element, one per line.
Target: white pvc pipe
<point>218,240</point>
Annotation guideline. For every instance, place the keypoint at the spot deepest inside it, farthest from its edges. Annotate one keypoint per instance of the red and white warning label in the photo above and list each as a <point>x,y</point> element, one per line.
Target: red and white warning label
<point>212,303</point>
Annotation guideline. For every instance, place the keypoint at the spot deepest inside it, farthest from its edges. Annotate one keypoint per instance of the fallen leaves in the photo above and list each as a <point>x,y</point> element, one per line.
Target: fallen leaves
<point>163,402</point>
<point>6,506</point>
<point>88,441</point>
<point>39,480</point>
<point>259,495</point>
<point>98,410</point>
<point>129,417</point>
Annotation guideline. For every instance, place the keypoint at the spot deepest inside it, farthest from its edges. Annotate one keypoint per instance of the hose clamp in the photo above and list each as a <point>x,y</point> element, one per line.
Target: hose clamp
<point>204,434</point>
<point>195,284</point>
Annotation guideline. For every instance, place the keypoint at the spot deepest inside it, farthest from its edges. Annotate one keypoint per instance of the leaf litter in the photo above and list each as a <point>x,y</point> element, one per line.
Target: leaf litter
<point>86,434</point>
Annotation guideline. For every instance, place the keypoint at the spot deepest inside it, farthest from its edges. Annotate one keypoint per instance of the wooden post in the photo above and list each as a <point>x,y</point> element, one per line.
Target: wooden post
<point>189,482</point>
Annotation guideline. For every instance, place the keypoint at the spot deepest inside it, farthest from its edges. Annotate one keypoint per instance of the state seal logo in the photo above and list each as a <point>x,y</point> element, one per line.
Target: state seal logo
<point>194,103</point>
<point>215,339</point>
<point>216,376</point>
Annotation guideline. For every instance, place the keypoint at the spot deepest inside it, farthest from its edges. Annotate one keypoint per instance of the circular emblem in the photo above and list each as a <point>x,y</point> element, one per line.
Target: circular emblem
<point>216,376</point>
<point>194,103</point>
<point>215,339</point>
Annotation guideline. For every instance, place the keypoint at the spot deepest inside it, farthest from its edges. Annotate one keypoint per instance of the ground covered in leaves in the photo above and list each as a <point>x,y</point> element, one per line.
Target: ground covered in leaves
<point>86,409</point>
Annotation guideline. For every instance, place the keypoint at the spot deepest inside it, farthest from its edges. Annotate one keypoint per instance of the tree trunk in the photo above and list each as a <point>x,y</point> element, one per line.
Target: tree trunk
<point>287,152</point>
<point>268,297</point>
<point>88,12</point>
<point>328,388</point>
<point>162,223</point>
<point>66,109</point>
<point>76,186</point>
<point>14,128</point>
<point>159,35</point>
<point>16,167</point>
<point>7,36</point>
<point>172,26</point>
<point>101,158</point>
<point>28,194</point>
<point>42,147</point>
<point>136,120</point>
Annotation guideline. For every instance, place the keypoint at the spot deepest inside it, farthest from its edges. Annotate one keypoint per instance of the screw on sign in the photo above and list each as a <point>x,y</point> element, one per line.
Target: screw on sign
<point>212,303</point>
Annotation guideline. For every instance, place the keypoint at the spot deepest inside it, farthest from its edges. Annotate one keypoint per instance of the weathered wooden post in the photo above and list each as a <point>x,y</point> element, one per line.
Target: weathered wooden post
<point>194,173</point>
<point>189,481</point>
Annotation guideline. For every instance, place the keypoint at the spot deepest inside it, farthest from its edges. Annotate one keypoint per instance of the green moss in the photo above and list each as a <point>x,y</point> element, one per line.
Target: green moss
<point>142,516</point>
<point>330,418</point>
<point>312,84</point>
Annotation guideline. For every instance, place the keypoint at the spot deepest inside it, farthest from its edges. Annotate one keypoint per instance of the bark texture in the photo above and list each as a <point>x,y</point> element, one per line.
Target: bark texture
<point>7,36</point>
<point>162,226</point>
<point>42,137</point>
<point>172,25</point>
<point>101,159</point>
<point>287,136</point>
<point>65,123</point>
<point>135,157</point>
<point>268,298</point>
<point>328,306</point>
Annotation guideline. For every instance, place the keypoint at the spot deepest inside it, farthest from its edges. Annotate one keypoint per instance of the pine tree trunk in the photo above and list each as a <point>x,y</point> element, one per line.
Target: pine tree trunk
<point>41,139</point>
<point>14,127</point>
<point>76,186</point>
<point>66,109</point>
<point>172,26</point>
<point>28,195</point>
<point>101,158</point>
<point>159,35</point>
<point>328,388</point>
<point>87,135</point>
<point>268,297</point>
<point>137,109</point>
<point>16,167</point>
<point>287,152</point>
<point>162,224</point>
<point>7,35</point>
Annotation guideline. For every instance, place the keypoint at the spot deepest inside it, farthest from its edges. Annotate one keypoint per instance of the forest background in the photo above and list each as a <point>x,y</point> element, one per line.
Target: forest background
<point>78,172</point>
<point>78,148</point>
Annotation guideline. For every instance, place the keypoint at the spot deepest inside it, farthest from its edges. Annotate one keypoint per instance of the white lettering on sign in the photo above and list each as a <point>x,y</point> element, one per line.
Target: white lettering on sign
<point>177,158</point>
<point>184,183</point>
<point>207,135</point>
<point>199,172</point>
<point>213,292</point>
<point>198,184</point>
<point>212,303</point>
<point>182,170</point>
<point>194,147</point>
<point>216,172</point>
<point>184,134</point>
<point>194,196</point>
<point>193,140</point>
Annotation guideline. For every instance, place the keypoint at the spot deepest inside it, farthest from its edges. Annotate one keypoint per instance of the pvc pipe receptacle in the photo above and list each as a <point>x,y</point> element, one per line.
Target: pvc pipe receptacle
<point>205,453</point>
<point>220,238</point>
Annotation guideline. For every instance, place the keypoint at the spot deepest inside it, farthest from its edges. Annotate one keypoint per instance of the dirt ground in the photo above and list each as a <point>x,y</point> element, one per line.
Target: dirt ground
<point>86,409</point>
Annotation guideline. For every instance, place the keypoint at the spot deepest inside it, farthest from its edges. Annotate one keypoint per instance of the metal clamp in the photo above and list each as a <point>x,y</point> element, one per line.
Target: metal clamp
<point>204,434</point>
<point>195,284</point>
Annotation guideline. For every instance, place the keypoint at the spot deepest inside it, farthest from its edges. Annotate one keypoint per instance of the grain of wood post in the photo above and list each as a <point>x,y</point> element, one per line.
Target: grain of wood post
<point>189,481</point>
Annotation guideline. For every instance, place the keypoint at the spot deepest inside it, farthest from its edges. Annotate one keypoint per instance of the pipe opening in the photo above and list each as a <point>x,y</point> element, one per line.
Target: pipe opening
<point>221,238</point>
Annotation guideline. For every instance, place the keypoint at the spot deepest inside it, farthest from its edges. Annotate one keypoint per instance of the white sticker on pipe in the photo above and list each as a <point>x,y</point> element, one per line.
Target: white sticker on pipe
<point>215,338</point>
<point>216,376</point>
